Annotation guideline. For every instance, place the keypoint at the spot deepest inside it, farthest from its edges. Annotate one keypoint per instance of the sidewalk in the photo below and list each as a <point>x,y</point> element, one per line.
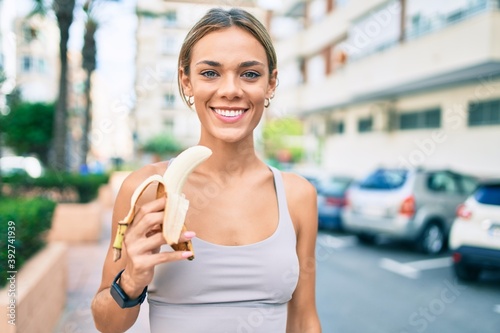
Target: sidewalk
<point>84,264</point>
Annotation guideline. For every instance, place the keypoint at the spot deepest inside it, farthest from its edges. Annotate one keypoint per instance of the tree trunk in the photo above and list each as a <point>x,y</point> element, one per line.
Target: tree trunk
<point>64,13</point>
<point>89,63</point>
<point>87,121</point>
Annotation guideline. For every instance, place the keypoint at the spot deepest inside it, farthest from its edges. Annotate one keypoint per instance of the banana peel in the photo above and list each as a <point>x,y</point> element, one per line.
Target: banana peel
<point>169,185</point>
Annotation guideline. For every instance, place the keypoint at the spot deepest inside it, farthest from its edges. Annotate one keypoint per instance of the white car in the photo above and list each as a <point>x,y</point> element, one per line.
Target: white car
<point>31,166</point>
<point>475,233</point>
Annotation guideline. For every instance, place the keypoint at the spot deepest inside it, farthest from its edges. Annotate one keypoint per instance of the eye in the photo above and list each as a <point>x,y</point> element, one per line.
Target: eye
<point>209,74</point>
<point>251,75</point>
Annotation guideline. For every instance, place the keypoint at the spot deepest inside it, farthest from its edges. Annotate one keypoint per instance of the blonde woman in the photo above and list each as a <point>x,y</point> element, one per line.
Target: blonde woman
<point>253,227</point>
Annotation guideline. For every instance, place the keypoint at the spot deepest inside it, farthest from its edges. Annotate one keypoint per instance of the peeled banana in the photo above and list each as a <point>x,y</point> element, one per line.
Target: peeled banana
<point>170,184</point>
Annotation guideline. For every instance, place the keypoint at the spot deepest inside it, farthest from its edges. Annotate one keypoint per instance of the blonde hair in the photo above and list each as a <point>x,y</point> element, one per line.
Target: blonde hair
<point>217,19</point>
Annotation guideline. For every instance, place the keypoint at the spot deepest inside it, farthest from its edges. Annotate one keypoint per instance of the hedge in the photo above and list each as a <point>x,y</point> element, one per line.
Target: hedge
<point>85,187</point>
<point>24,225</point>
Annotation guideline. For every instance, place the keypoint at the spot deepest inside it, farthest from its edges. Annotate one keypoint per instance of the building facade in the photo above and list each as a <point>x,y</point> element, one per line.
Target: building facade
<point>37,54</point>
<point>402,83</point>
<point>161,29</point>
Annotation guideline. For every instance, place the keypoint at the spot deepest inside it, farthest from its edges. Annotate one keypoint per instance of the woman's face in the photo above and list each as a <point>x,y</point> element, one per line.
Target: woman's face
<point>229,79</point>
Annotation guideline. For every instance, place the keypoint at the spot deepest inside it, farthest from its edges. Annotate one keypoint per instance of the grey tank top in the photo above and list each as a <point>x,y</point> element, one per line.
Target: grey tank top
<point>229,289</point>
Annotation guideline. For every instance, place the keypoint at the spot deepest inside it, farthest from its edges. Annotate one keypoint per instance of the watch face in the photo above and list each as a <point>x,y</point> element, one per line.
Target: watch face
<point>122,299</point>
<point>118,295</point>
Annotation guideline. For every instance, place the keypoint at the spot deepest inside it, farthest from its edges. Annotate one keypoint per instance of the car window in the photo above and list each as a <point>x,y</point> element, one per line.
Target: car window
<point>468,184</point>
<point>334,187</point>
<point>488,194</point>
<point>385,179</point>
<point>443,182</point>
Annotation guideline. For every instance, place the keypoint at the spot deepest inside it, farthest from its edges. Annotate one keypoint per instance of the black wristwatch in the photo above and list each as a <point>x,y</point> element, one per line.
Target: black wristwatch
<point>121,298</point>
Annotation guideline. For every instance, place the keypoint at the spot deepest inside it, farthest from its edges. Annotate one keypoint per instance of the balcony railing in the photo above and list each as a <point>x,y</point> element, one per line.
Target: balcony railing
<point>419,25</point>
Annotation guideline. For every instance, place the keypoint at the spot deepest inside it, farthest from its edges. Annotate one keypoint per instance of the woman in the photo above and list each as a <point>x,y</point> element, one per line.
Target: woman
<point>255,227</point>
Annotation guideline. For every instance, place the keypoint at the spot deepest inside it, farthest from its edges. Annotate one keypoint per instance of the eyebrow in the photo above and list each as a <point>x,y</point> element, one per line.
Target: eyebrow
<point>218,64</point>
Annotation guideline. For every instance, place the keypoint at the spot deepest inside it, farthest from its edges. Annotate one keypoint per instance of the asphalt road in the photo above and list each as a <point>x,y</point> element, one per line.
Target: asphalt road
<point>391,288</point>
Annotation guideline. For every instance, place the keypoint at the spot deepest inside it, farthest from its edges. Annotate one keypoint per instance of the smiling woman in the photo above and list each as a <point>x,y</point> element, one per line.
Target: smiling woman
<point>253,227</point>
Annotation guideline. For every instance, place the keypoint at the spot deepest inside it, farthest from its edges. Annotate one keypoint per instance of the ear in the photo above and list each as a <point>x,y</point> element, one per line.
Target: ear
<point>185,82</point>
<point>273,81</point>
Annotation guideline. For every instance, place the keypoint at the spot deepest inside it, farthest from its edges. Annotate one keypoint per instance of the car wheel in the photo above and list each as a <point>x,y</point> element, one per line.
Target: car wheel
<point>466,273</point>
<point>366,239</point>
<point>432,239</point>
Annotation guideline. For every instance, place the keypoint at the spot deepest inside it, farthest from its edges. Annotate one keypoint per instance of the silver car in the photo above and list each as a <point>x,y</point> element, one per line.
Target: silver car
<point>415,205</point>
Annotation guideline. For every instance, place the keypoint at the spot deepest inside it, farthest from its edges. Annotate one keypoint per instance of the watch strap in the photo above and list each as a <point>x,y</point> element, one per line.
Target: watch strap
<point>122,298</point>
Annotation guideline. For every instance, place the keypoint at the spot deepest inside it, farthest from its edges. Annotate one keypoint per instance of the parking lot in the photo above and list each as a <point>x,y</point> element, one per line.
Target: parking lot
<point>391,288</point>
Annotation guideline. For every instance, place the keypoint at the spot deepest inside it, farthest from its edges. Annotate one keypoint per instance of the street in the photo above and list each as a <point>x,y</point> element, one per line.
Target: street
<point>391,288</point>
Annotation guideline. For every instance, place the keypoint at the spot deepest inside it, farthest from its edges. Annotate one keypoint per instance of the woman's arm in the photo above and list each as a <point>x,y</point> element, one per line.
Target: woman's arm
<point>139,255</point>
<point>301,197</point>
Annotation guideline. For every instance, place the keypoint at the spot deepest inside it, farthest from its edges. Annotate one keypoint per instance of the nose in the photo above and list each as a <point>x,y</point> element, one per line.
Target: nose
<point>230,87</point>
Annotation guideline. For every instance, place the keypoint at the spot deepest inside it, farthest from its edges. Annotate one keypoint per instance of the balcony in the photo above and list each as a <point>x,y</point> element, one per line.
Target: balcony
<point>463,52</point>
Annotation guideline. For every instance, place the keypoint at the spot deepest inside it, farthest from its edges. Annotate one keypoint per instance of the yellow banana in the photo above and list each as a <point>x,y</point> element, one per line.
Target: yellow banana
<point>170,184</point>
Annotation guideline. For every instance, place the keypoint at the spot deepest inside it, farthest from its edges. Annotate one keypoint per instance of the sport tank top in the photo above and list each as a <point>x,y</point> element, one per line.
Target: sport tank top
<point>229,289</point>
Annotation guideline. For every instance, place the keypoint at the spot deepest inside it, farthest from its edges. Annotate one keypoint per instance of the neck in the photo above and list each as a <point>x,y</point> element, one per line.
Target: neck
<point>230,158</point>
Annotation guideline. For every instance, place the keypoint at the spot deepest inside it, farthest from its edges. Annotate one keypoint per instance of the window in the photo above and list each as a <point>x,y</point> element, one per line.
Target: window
<point>374,32</point>
<point>169,100</point>
<point>385,179</point>
<point>335,127</point>
<point>467,184</point>
<point>443,182</point>
<point>29,33</point>
<point>421,119</point>
<point>41,66</point>
<point>425,16</point>
<point>169,125</point>
<point>484,113</point>
<point>170,19</point>
<point>488,194</point>
<point>365,125</point>
<point>27,64</point>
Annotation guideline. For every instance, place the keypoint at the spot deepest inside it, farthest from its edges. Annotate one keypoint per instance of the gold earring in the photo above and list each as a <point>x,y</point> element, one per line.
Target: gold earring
<point>190,100</point>
<point>267,102</point>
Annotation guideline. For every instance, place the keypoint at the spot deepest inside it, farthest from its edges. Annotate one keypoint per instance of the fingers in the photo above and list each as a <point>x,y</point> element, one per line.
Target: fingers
<point>157,205</point>
<point>163,257</point>
<point>187,236</point>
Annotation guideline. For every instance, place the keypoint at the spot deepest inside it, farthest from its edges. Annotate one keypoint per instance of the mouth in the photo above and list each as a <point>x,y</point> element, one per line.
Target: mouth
<point>229,113</point>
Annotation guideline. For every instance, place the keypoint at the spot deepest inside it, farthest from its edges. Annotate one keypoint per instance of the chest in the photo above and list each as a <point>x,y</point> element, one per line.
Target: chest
<point>233,215</point>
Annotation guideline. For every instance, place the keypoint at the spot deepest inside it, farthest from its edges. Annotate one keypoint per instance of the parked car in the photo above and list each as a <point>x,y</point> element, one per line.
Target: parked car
<point>416,205</point>
<point>331,201</point>
<point>11,165</point>
<point>475,234</point>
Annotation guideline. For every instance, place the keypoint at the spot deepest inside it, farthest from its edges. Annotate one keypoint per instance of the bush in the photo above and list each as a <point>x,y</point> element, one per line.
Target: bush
<point>61,187</point>
<point>162,144</point>
<point>31,220</point>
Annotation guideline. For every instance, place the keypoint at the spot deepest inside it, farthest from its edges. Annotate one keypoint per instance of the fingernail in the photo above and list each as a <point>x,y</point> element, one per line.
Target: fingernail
<point>187,254</point>
<point>189,234</point>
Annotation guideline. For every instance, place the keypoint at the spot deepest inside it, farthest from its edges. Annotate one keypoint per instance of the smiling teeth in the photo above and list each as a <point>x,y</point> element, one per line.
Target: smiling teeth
<point>229,113</point>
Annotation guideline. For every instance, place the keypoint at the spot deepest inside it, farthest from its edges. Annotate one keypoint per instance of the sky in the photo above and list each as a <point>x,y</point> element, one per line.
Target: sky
<point>115,42</point>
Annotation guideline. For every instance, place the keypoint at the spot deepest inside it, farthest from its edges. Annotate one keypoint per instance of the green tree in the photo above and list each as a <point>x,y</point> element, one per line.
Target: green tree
<point>282,138</point>
<point>3,78</point>
<point>63,10</point>
<point>162,145</point>
<point>28,128</point>
<point>89,52</point>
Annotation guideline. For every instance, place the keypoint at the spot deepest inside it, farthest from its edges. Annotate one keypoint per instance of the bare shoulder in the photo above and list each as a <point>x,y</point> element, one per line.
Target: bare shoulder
<point>301,198</point>
<point>297,187</point>
<point>135,178</point>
